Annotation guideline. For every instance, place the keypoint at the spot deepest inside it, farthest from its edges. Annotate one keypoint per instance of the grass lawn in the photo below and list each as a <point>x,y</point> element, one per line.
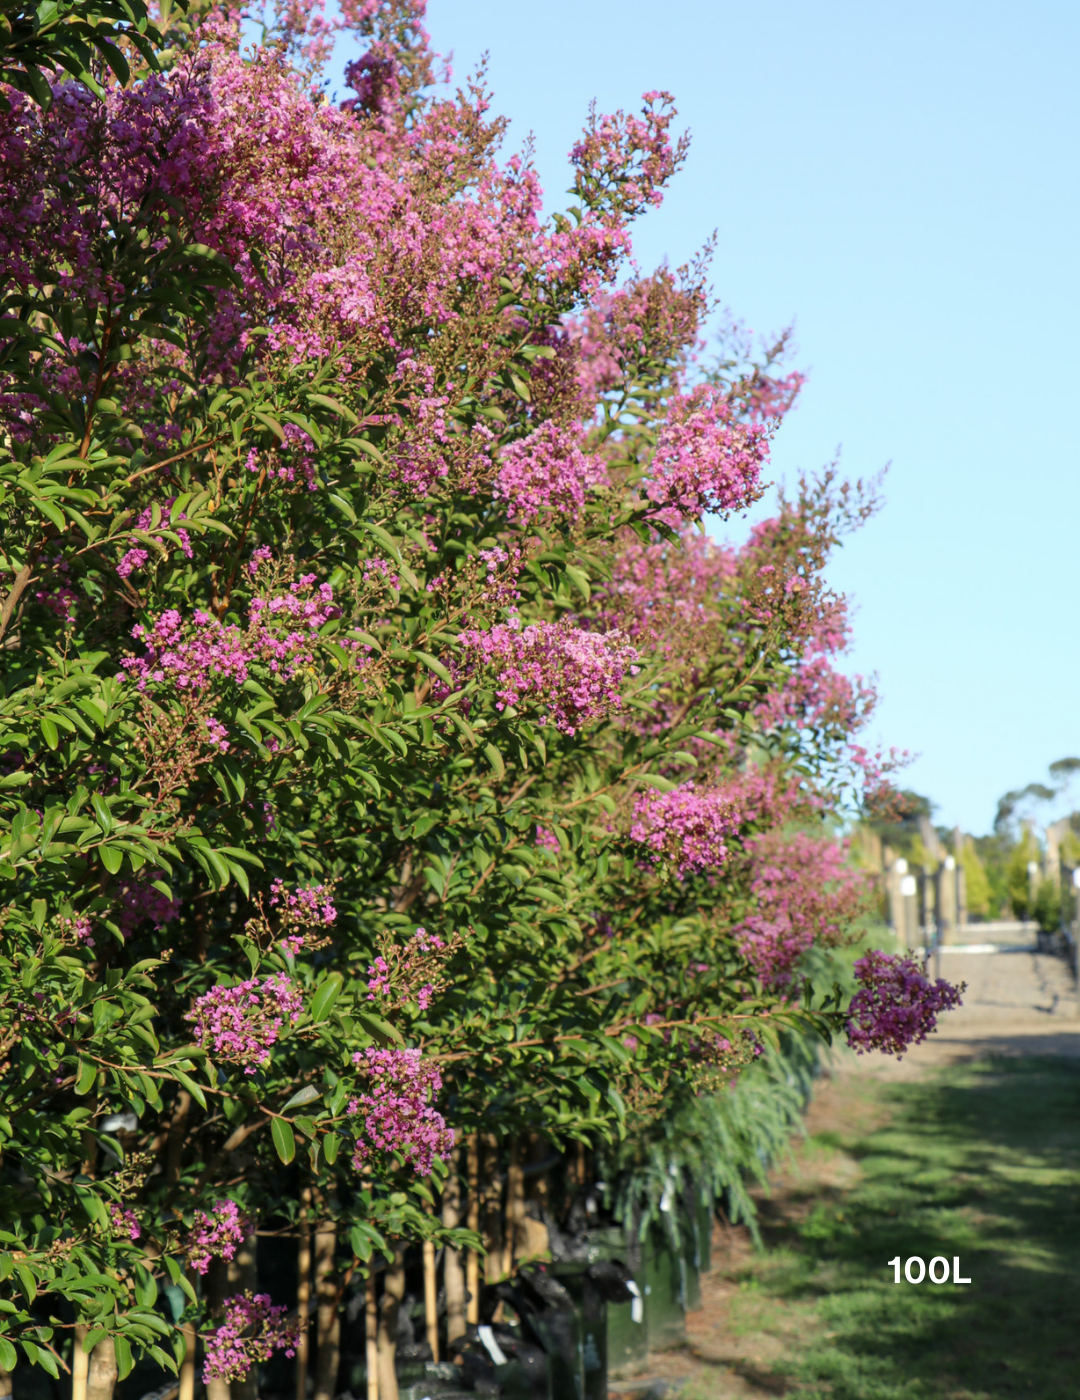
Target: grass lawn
<point>982,1162</point>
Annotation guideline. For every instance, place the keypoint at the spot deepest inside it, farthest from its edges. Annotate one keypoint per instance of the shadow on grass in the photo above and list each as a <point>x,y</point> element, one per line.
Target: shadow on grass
<point>981,1164</point>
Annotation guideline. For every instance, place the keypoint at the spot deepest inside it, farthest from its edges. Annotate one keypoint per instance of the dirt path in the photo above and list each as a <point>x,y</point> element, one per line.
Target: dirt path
<point>744,1345</point>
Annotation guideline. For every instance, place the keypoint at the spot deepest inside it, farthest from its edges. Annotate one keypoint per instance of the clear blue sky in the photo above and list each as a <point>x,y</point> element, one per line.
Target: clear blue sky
<point>901,182</point>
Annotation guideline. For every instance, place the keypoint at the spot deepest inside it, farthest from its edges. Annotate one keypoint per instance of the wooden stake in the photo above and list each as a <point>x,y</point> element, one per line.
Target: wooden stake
<point>371,1318</point>
<point>515,1207</point>
<point>187,1366</point>
<point>80,1364</point>
<point>431,1306</point>
<point>303,1294</point>
<point>472,1258</point>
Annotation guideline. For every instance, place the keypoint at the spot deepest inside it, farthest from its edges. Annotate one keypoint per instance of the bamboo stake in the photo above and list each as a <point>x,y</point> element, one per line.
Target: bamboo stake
<point>472,1259</point>
<point>431,1305</point>
<point>371,1320</point>
<point>303,1294</point>
<point>187,1366</point>
<point>80,1364</point>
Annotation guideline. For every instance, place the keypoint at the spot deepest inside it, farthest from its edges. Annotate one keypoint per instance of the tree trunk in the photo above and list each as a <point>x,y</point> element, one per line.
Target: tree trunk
<point>101,1373</point>
<point>493,1219</point>
<point>243,1276</point>
<point>303,1294</point>
<point>216,1289</point>
<point>431,1299</point>
<point>328,1320</point>
<point>515,1208</point>
<point>187,1366</point>
<point>80,1363</point>
<point>371,1329</point>
<point>393,1292</point>
<point>472,1259</point>
<point>453,1273</point>
<point>5,1384</point>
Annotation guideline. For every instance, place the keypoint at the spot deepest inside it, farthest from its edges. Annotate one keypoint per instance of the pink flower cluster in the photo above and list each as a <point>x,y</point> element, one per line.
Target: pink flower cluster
<point>252,1331</point>
<point>137,556</point>
<point>240,1024</point>
<point>804,894</point>
<point>573,676</point>
<point>215,1235</point>
<point>396,1112</point>
<point>191,657</point>
<point>547,472</point>
<point>411,973</point>
<point>79,928</point>
<point>684,828</point>
<point>139,901</point>
<point>124,1222</point>
<point>897,1005</point>
<point>302,909</point>
<point>623,162</point>
<point>705,459</point>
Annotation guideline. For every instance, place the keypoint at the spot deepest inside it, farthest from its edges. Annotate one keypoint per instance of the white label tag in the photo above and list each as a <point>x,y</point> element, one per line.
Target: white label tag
<point>637,1307</point>
<point>494,1350</point>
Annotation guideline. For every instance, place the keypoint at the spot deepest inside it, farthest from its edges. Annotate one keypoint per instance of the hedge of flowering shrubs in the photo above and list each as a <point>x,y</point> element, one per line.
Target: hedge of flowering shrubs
<point>386,754</point>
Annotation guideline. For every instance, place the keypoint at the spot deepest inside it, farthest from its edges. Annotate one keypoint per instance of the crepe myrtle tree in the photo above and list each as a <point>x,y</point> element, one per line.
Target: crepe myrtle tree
<point>385,753</point>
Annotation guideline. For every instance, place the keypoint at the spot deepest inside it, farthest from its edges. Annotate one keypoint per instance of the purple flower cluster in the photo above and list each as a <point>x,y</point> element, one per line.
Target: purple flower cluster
<point>240,1024</point>
<point>215,1235</point>
<point>302,909</point>
<point>412,972</point>
<point>252,1331</point>
<point>574,676</point>
<point>685,828</point>
<point>137,556</point>
<point>547,472</point>
<point>139,901</point>
<point>397,1116</point>
<point>124,1222</point>
<point>897,1005</point>
<point>192,656</point>
<point>704,459</point>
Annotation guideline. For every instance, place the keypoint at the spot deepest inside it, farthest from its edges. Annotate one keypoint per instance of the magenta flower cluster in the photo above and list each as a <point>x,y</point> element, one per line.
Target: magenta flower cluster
<point>139,901</point>
<point>396,1112</point>
<point>412,972</point>
<point>215,1235</point>
<point>572,676</point>
<point>137,556</point>
<point>706,460</point>
<point>252,1331</point>
<point>302,909</point>
<point>124,1222</point>
<point>685,828</point>
<point>191,656</point>
<point>805,894</point>
<point>897,1005</point>
<point>240,1024</point>
<point>547,473</point>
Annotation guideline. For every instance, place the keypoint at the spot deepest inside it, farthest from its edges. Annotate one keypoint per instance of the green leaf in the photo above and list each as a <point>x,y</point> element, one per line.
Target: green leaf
<point>39,909</point>
<point>49,731</point>
<point>124,1363</point>
<point>308,1094</point>
<point>284,1139</point>
<point>112,858</point>
<point>323,1000</point>
<point>8,1355</point>
<point>494,757</point>
<point>189,1084</point>
<point>86,1077</point>
<point>330,1144</point>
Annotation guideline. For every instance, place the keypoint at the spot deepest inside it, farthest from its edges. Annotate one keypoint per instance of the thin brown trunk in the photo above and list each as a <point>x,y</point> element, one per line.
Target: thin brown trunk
<point>5,1384</point>
<point>328,1319</point>
<point>303,1294</point>
<point>174,1149</point>
<point>390,1303</point>
<point>493,1219</point>
<point>453,1273</point>
<point>101,1373</point>
<point>515,1207</point>
<point>80,1363</point>
<point>187,1366</point>
<point>216,1289</point>
<point>431,1304</point>
<point>472,1259</point>
<point>243,1276</point>
<point>371,1320</point>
